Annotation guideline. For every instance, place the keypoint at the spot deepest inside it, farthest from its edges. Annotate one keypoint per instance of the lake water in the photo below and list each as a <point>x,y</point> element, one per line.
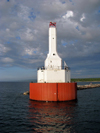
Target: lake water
<point>19,114</point>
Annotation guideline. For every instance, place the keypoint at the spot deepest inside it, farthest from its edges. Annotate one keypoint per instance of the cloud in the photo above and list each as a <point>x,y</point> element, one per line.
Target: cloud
<point>27,35</point>
<point>3,49</point>
<point>7,60</point>
<point>82,18</point>
<point>68,14</point>
<point>24,32</point>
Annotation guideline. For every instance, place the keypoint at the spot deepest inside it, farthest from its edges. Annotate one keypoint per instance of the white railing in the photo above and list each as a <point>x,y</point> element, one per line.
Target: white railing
<point>54,68</point>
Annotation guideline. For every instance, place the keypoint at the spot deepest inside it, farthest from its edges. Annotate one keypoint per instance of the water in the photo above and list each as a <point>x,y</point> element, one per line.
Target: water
<point>19,114</point>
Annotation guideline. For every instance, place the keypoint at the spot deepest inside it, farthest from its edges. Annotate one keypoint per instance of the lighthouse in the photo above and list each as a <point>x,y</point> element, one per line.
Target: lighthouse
<point>53,79</point>
<point>53,71</point>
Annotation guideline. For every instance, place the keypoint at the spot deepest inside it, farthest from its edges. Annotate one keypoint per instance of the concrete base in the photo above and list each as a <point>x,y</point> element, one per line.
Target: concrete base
<point>53,91</point>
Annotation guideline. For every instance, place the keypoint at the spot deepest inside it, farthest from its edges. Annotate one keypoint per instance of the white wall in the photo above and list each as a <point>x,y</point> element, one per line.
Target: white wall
<point>40,76</point>
<point>67,76</point>
<point>53,60</point>
<point>52,40</point>
<point>53,76</point>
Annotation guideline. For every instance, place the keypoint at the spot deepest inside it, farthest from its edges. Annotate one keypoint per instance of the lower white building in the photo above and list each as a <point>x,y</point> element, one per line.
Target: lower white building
<point>53,76</point>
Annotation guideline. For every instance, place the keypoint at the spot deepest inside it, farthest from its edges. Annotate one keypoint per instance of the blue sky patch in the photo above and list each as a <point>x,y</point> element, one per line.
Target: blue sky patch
<point>77,27</point>
<point>25,56</point>
<point>63,2</point>
<point>35,52</point>
<point>64,43</point>
<point>99,11</point>
<point>8,42</point>
<point>71,42</point>
<point>18,37</point>
<point>32,16</point>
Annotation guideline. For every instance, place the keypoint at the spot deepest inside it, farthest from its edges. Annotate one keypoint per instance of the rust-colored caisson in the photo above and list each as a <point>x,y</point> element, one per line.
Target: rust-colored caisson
<point>53,91</point>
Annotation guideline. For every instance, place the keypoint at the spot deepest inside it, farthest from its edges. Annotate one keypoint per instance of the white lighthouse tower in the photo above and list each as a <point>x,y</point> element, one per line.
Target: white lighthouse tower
<point>53,71</point>
<point>53,80</point>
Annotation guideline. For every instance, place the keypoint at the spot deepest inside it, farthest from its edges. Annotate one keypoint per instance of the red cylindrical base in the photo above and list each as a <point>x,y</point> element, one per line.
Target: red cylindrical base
<point>53,91</point>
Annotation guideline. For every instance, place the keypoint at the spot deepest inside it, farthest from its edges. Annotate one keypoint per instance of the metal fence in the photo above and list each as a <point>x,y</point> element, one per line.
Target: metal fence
<point>53,68</point>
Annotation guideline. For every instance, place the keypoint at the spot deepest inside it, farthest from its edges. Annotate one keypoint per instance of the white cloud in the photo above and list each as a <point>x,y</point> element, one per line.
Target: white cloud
<point>68,14</point>
<point>24,12</point>
<point>82,18</point>
<point>3,49</point>
<point>7,60</point>
<point>14,25</point>
<point>7,30</point>
<point>27,35</point>
<point>29,51</point>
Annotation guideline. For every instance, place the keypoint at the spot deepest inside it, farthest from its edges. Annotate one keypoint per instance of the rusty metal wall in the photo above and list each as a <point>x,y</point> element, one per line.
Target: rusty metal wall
<point>67,91</point>
<point>43,91</point>
<point>53,91</point>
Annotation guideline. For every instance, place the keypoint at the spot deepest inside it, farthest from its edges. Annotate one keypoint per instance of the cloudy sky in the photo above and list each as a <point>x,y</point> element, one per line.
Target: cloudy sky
<point>24,36</point>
